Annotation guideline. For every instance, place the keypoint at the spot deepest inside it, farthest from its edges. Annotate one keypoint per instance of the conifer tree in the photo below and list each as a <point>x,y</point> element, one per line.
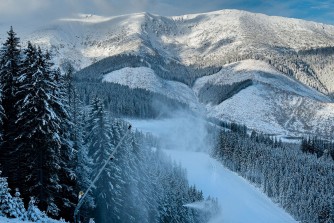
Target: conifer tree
<point>83,163</point>
<point>18,206</point>
<point>98,141</point>
<point>5,197</point>
<point>41,120</point>
<point>33,213</point>
<point>67,175</point>
<point>10,66</point>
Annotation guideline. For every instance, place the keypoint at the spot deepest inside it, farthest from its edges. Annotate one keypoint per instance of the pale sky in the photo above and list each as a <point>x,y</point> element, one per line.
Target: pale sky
<point>42,11</point>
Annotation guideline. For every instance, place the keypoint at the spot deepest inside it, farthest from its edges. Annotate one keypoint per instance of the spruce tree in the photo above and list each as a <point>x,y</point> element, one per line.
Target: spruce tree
<point>10,66</point>
<point>83,163</point>
<point>5,197</point>
<point>42,137</point>
<point>18,206</point>
<point>33,213</point>
<point>67,176</point>
<point>99,142</point>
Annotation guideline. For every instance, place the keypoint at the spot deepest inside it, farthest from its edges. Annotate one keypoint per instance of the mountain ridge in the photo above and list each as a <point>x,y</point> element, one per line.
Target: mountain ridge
<point>201,40</point>
<point>191,48</point>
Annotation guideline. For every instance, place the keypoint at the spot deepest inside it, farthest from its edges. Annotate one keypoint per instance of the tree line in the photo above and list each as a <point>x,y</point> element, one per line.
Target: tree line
<point>52,146</point>
<point>300,182</point>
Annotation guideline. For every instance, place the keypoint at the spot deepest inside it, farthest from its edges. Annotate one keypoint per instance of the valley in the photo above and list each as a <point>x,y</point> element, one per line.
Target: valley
<point>230,116</point>
<point>225,72</point>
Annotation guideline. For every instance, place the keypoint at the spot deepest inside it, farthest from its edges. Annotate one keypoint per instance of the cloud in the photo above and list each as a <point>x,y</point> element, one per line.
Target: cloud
<point>14,9</point>
<point>40,11</point>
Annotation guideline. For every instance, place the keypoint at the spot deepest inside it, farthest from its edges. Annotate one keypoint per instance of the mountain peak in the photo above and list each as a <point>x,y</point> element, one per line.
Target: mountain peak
<point>201,40</point>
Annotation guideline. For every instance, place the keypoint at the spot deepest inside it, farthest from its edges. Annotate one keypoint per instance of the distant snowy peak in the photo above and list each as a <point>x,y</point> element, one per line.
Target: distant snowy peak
<point>192,39</point>
<point>199,40</point>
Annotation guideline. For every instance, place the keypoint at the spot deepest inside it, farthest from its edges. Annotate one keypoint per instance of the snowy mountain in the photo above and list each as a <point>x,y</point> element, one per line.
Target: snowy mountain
<point>177,79</point>
<point>280,84</point>
<point>249,92</point>
<point>214,39</point>
<point>255,94</point>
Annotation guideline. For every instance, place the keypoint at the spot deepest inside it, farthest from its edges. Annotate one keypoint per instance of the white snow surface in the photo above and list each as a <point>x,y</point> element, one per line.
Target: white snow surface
<point>12,220</point>
<point>145,78</point>
<point>259,71</point>
<point>274,103</point>
<point>205,39</point>
<point>241,202</point>
<point>192,39</point>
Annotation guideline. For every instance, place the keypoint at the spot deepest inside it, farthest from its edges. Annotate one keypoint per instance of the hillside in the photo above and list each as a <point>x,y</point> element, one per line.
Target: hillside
<point>196,86</point>
<point>249,92</point>
<point>255,94</point>
<point>280,85</point>
<point>185,140</point>
<point>217,38</point>
<point>145,78</point>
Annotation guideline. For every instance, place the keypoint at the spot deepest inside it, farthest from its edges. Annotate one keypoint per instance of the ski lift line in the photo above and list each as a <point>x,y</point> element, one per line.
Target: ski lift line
<point>111,157</point>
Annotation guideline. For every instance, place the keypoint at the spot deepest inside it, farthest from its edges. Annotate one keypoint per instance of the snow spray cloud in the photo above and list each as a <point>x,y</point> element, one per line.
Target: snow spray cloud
<point>181,129</point>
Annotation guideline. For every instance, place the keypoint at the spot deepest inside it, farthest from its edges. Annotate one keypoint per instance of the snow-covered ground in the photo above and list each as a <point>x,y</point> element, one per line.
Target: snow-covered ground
<point>145,78</point>
<point>7,220</point>
<point>274,103</point>
<point>209,39</point>
<point>241,202</point>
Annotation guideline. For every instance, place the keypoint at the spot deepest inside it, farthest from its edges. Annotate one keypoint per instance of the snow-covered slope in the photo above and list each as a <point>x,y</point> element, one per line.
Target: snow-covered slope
<point>276,112</point>
<point>214,39</point>
<point>183,137</point>
<point>249,92</point>
<point>271,102</point>
<point>258,72</point>
<point>255,92</point>
<point>11,220</point>
<point>240,201</point>
<point>145,78</point>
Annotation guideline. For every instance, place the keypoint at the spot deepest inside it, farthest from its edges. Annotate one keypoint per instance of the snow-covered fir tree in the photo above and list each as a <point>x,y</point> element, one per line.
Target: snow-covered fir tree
<point>99,144</point>
<point>6,201</point>
<point>18,206</point>
<point>10,66</point>
<point>299,181</point>
<point>33,213</point>
<point>41,120</point>
<point>11,207</point>
<point>68,154</point>
<point>84,163</point>
<point>57,151</point>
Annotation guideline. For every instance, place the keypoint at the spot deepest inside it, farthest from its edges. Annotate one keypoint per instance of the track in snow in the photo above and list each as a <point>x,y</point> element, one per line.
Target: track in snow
<point>241,202</point>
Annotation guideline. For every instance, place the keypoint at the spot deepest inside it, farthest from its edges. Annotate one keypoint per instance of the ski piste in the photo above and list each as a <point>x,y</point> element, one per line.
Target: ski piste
<point>110,158</point>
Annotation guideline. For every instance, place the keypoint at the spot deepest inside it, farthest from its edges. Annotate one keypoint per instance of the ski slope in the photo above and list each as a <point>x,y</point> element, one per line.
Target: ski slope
<point>184,139</point>
<point>240,201</point>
